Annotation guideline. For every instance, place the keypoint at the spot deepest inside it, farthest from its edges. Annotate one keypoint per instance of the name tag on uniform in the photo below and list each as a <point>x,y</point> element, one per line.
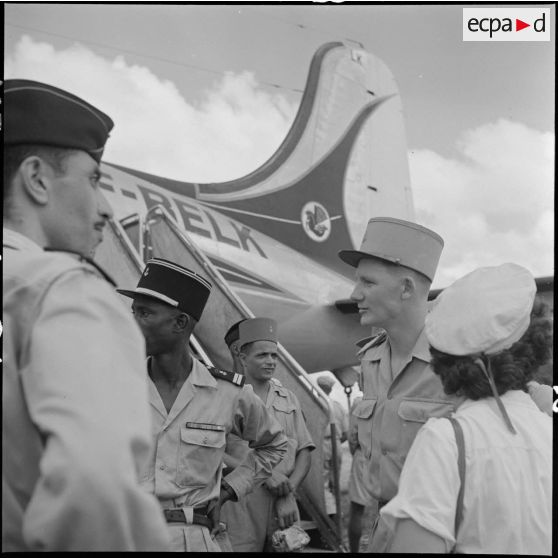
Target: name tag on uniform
<point>205,426</point>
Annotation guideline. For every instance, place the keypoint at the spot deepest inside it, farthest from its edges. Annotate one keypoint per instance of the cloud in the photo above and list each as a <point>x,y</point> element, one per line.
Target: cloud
<point>157,130</point>
<point>491,204</point>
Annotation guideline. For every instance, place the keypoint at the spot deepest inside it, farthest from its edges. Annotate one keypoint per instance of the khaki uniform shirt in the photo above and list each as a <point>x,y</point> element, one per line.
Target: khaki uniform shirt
<point>75,417</point>
<point>284,406</point>
<point>252,521</point>
<point>184,468</point>
<point>394,408</point>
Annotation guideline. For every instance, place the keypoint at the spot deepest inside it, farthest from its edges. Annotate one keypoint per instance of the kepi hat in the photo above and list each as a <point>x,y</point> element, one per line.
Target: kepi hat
<point>257,329</point>
<point>38,113</point>
<point>486,311</point>
<point>399,242</point>
<point>173,284</point>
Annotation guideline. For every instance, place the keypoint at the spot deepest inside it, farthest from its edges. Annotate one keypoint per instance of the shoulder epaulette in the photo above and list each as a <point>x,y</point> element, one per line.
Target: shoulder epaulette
<point>80,257</point>
<point>232,377</point>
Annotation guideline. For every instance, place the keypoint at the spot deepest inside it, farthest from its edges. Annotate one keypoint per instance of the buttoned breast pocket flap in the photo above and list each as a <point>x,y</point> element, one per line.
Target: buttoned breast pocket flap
<point>206,438</point>
<point>282,404</point>
<point>365,408</point>
<point>421,411</point>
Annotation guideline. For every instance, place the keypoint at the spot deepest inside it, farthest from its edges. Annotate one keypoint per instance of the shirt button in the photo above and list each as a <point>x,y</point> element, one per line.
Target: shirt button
<point>162,467</point>
<point>384,452</point>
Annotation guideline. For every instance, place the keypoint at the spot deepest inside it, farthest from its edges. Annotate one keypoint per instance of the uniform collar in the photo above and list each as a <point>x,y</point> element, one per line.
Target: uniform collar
<point>200,375</point>
<point>19,241</point>
<point>368,342</point>
<point>374,349</point>
<point>277,387</point>
<point>421,350</point>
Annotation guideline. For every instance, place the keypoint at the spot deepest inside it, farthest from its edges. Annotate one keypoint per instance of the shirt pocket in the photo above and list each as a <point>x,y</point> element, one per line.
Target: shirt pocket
<point>200,454</point>
<point>363,412</point>
<point>413,414</point>
<point>284,412</point>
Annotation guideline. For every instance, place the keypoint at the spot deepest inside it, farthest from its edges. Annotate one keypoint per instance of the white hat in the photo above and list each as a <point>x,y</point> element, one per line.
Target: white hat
<point>486,311</point>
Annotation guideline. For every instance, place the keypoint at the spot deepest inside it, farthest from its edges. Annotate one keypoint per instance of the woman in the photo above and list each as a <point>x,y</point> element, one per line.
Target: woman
<point>485,347</point>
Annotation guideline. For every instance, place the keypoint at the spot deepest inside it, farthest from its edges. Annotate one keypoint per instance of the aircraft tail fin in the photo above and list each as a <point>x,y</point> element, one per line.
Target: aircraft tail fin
<point>343,161</point>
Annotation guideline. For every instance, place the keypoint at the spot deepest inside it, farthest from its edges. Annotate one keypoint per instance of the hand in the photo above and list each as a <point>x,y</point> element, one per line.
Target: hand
<point>214,514</point>
<point>278,484</point>
<point>214,508</point>
<point>287,510</point>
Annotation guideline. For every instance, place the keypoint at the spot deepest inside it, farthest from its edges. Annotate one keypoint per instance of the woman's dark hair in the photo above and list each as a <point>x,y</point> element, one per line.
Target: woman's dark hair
<point>512,368</point>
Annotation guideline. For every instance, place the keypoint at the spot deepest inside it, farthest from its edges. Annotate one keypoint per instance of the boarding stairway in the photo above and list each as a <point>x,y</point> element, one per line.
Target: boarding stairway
<point>130,243</point>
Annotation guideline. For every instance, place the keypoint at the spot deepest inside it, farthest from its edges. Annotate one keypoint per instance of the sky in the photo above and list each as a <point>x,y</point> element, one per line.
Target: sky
<point>206,93</point>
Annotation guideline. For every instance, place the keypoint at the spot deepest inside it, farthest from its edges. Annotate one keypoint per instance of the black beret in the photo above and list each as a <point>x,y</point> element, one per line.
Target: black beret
<point>171,283</point>
<point>38,113</point>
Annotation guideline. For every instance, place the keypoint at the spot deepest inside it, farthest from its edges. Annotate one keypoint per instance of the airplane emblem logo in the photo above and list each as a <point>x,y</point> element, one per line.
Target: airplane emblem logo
<point>316,221</point>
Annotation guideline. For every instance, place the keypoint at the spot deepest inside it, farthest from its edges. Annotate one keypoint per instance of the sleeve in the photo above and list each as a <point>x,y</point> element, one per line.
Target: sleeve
<point>254,423</point>
<point>352,435</point>
<point>429,482</point>
<point>302,435</point>
<point>86,391</point>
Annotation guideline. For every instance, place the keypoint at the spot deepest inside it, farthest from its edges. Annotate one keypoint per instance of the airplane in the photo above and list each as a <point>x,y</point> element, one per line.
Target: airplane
<point>274,234</point>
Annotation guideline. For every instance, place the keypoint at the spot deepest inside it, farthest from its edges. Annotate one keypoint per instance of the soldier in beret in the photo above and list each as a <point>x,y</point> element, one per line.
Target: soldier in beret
<point>75,425</point>
<point>271,505</point>
<point>194,409</point>
<point>232,340</point>
<point>394,270</point>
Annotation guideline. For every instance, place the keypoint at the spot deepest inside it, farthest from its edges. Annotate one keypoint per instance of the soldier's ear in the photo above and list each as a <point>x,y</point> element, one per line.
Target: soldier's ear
<point>182,321</point>
<point>408,287</point>
<point>36,179</point>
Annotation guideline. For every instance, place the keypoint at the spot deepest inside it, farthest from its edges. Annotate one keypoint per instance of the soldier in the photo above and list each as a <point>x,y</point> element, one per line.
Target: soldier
<point>395,267</point>
<point>340,419</point>
<point>231,339</point>
<point>359,491</point>
<point>272,505</point>
<point>76,423</point>
<point>193,409</point>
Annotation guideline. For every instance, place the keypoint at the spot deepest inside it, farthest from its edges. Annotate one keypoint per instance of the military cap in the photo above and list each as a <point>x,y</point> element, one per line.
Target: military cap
<point>486,311</point>
<point>399,242</point>
<point>38,113</point>
<point>232,334</point>
<point>257,329</point>
<point>171,283</point>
